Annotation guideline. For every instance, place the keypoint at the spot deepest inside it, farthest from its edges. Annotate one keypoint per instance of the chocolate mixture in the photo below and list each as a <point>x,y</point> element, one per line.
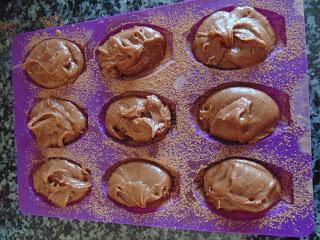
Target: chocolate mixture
<point>54,62</point>
<point>137,118</point>
<point>238,184</point>
<point>56,122</point>
<point>61,181</point>
<point>139,183</point>
<point>240,114</point>
<point>132,51</point>
<point>232,40</point>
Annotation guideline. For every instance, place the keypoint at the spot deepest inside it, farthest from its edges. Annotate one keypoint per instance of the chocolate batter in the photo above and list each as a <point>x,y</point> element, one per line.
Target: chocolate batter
<point>239,114</point>
<point>139,183</point>
<point>132,51</point>
<point>139,119</point>
<point>54,62</point>
<point>242,185</point>
<point>62,181</point>
<point>232,40</point>
<point>56,122</point>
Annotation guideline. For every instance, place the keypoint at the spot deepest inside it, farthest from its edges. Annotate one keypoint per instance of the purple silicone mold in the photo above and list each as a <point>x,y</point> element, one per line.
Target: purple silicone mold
<point>186,148</point>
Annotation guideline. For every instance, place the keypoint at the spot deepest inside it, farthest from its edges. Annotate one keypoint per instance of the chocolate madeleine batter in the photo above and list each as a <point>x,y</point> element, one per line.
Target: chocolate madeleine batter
<point>56,122</point>
<point>132,51</point>
<point>139,183</point>
<point>54,62</point>
<point>62,181</point>
<point>242,185</point>
<point>239,114</point>
<point>138,118</point>
<point>231,40</point>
